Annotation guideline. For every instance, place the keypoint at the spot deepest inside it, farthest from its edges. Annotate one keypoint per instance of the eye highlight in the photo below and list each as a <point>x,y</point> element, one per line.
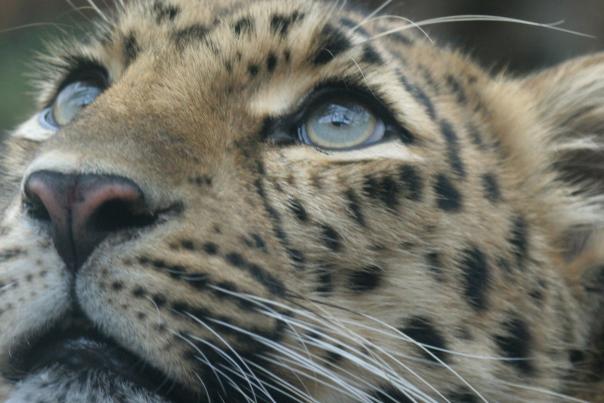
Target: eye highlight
<point>340,124</point>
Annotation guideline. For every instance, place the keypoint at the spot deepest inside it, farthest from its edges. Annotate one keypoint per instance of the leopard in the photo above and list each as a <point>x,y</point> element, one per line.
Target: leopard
<point>299,201</point>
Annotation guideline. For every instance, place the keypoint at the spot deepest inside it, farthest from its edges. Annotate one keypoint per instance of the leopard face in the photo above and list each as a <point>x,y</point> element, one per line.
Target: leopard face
<point>287,201</point>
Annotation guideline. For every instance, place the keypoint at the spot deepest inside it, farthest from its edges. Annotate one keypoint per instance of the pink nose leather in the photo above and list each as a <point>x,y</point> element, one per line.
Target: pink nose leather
<point>83,209</point>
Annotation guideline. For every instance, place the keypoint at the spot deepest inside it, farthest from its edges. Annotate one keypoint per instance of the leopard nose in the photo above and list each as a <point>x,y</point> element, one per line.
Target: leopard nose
<point>82,210</point>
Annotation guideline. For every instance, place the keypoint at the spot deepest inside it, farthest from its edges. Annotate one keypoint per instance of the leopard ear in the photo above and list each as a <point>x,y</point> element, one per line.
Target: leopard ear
<point>570,103</point>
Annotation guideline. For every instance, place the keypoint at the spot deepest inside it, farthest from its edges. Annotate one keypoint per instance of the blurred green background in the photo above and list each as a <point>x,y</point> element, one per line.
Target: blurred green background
<point>26,24</point>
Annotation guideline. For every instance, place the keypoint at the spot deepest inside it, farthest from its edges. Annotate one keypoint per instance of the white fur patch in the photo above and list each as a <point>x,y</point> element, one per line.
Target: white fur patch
<point>58,385</point>
<point>57,161</point>
<point>391,150</point>
<point>33,130</point>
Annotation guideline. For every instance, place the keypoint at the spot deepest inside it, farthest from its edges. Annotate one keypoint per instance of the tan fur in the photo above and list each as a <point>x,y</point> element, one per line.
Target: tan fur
<point>178,113</point>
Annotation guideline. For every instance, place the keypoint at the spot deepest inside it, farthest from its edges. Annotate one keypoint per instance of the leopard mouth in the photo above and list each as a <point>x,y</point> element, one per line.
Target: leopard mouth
<point>78,347</point>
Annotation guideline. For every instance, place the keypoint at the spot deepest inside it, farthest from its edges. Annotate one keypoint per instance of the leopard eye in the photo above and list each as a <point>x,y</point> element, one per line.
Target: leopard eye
<point>336,124</point>
<point>70,102</point>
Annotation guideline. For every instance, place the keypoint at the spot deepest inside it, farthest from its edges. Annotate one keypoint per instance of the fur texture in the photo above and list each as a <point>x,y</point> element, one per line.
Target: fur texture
<point>461,259</point>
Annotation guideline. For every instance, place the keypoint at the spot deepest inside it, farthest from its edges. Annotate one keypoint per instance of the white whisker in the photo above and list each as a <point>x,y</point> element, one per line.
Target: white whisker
<point>227,344</point>
<point>98,11</point>
<point>477,18</point>
<point>541,390</point>
<point>371,15</point>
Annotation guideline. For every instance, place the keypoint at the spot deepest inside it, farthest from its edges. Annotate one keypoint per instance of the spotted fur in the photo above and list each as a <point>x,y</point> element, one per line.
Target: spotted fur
<point>460,260</point>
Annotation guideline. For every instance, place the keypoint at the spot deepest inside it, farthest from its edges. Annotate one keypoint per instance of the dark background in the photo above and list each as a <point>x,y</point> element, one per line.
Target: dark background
<point>26,24</point>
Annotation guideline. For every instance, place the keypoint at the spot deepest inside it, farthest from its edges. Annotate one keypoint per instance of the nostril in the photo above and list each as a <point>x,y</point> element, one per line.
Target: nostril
<point>117,215</point>
<point>35,208</point>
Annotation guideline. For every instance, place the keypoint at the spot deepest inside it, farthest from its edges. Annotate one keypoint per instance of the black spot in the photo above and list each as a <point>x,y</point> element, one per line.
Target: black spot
<point>519,240</point>
<point>453,151</point>
<point>576,356</point>
<point>10,254</point>
<point>159,300</point>
<point>331,238</point>
<point>491,187</point>
<point>253,69</point>
<point>536,294</point>
<point>389,394</point>
<point>272,284</point>
<point>271,62</point>
<point>298,209</point>
<point>457,89</point>
<point>117,285</point>
<point>476,277</point>
<point>195,32</point>
<point>333,357</point>
<point>387,190</point>
<point>354,208</point>
<point>476,136</point>
<point>235,259</point>
<point>332,43</point>
<point>244,25</point>
<point>210,248</point>
<point>324,280</point>
<point>165,12</point>
<point>411,182</point>
<point>371,56</point>
<point>187,244</point>
<point>131,49</point>
<point>435,265</point>
<point>516,343</point>
<point>139,292</point>
<point>420,96</point>
<point>280,23</point>
<point>365,279</point>
<point>296,256</point>
<point>423,331</point>
<point>448,197</point>
<point>201,180</point>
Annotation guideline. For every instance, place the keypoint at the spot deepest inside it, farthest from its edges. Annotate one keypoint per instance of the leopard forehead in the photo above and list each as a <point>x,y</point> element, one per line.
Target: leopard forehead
<point>425,267</point>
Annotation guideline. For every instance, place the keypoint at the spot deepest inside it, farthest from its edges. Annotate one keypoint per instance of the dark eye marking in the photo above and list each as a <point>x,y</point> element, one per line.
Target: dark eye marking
<point>332,42</point>
<point>453,151</point>
<point>131,49</point>
<point>371,55</point>
<point>420,96</point>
